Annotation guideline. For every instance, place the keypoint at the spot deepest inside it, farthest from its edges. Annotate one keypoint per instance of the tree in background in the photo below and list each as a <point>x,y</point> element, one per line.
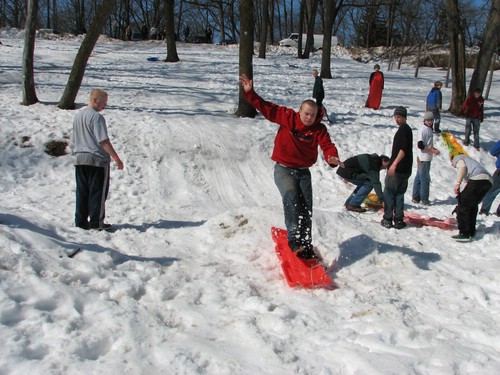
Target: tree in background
<point>245,109</point>
<point>489,46</point>
<point>29,93</point>
<point>332,9</point>
<point>457,56</point>
<point>170,32</point>
<point>67,100</point>
<point>264,30</point>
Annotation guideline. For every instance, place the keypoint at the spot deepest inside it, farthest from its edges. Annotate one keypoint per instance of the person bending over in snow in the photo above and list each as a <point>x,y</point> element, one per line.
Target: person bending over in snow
<point>478,182</point>
<point>363,171</point>
<point>295,150</point>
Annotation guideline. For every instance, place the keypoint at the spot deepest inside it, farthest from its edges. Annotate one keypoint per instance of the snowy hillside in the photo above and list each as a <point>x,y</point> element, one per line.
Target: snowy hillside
<point>188,283</point>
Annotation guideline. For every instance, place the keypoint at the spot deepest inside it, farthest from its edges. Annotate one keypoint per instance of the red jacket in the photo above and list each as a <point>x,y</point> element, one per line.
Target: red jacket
<point>295,145</point>
<point>473,107</point>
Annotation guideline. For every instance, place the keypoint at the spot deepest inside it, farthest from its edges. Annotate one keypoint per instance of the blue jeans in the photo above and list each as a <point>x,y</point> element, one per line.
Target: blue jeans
<point>394,193</point>
<point>363,188</point>
<point>472,124</point>
<point>422,181</point>
<point>492,194</point>
<point>296,192</point>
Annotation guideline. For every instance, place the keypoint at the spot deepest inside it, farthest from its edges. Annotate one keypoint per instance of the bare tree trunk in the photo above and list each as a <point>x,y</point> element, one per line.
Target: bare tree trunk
<point>78,70</point>
<point>55,19</point>
<point>271,22</point>
<point>179,19</point>
<point>302,11</point>
<point>488,48</point>
<point>245,109</point>
<point>418,57</point>
<point>264,27</point>
<point>170,32</point>
<point>390,22</point>
<point>490,78</point>
<point>405,40</point>
<point>331,11</point>
<point>311,17</point>
<point>48,14</point>
<point>457,56</point>
<point>29,93</point>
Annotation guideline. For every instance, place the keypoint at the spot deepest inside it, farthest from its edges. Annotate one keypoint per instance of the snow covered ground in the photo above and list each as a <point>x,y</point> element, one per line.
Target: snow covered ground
<point>189,283</point>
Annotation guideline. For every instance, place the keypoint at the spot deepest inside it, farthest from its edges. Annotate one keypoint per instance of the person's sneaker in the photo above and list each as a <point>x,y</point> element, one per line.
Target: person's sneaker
<point>386,223</point>
<point>426,203</point>
<point>104,226</point>
<point>400,224</point>
<point>355,208</point>
<point>461,238</point>
<point>307,252</point>
<point>466,143</point>
<point>415,200</point>
<point>484,213</point>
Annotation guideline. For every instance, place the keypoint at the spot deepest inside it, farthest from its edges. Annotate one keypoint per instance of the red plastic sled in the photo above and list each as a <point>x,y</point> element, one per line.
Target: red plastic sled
<point>416,219</point>
<point>375,95</point>
<point>305,273</point>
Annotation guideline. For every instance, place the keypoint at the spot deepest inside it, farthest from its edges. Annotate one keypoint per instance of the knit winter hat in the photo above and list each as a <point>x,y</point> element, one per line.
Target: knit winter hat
<point>400,111</point>
<point>428,116</point>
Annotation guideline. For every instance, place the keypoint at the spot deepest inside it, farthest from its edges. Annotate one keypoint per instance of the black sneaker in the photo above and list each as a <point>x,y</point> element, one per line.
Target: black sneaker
<point>104,226</point>
<point>386,223</point>
<point>461,238</point>
<point>415,200</point>
<point>355,208</point>
<point>307,253</point>
<point>400,224</point>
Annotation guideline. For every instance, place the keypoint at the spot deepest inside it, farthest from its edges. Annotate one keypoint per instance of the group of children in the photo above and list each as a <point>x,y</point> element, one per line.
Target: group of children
<point>295,151</point>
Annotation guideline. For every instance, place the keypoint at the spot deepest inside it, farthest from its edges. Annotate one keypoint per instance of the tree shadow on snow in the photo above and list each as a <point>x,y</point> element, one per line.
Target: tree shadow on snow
<point>356,248</point>
<point>72,248</point>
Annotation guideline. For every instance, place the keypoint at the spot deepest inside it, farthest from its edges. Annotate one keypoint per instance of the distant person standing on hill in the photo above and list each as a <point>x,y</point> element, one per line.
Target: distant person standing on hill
<point>93,152</point>
<point>473,110</point>
<point>376,88</point>
<point>434,104</point>
<point>318,89</point>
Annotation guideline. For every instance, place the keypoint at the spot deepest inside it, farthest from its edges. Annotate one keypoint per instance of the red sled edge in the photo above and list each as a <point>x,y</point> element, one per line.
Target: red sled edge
<point>420,220</point>
<point>307,274</point>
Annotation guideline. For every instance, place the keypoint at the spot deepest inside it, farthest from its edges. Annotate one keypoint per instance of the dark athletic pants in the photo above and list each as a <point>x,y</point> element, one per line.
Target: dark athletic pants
<point>92,186</point>
<point>468,202</point>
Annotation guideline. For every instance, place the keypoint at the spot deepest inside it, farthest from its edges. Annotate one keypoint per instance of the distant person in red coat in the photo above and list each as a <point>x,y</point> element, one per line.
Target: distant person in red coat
<point>473,110</point>
<point>295,151</point>
<point>376,87</point>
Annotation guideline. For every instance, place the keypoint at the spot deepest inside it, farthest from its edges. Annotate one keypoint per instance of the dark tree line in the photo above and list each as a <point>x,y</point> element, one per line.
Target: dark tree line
<point>366,23</point>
